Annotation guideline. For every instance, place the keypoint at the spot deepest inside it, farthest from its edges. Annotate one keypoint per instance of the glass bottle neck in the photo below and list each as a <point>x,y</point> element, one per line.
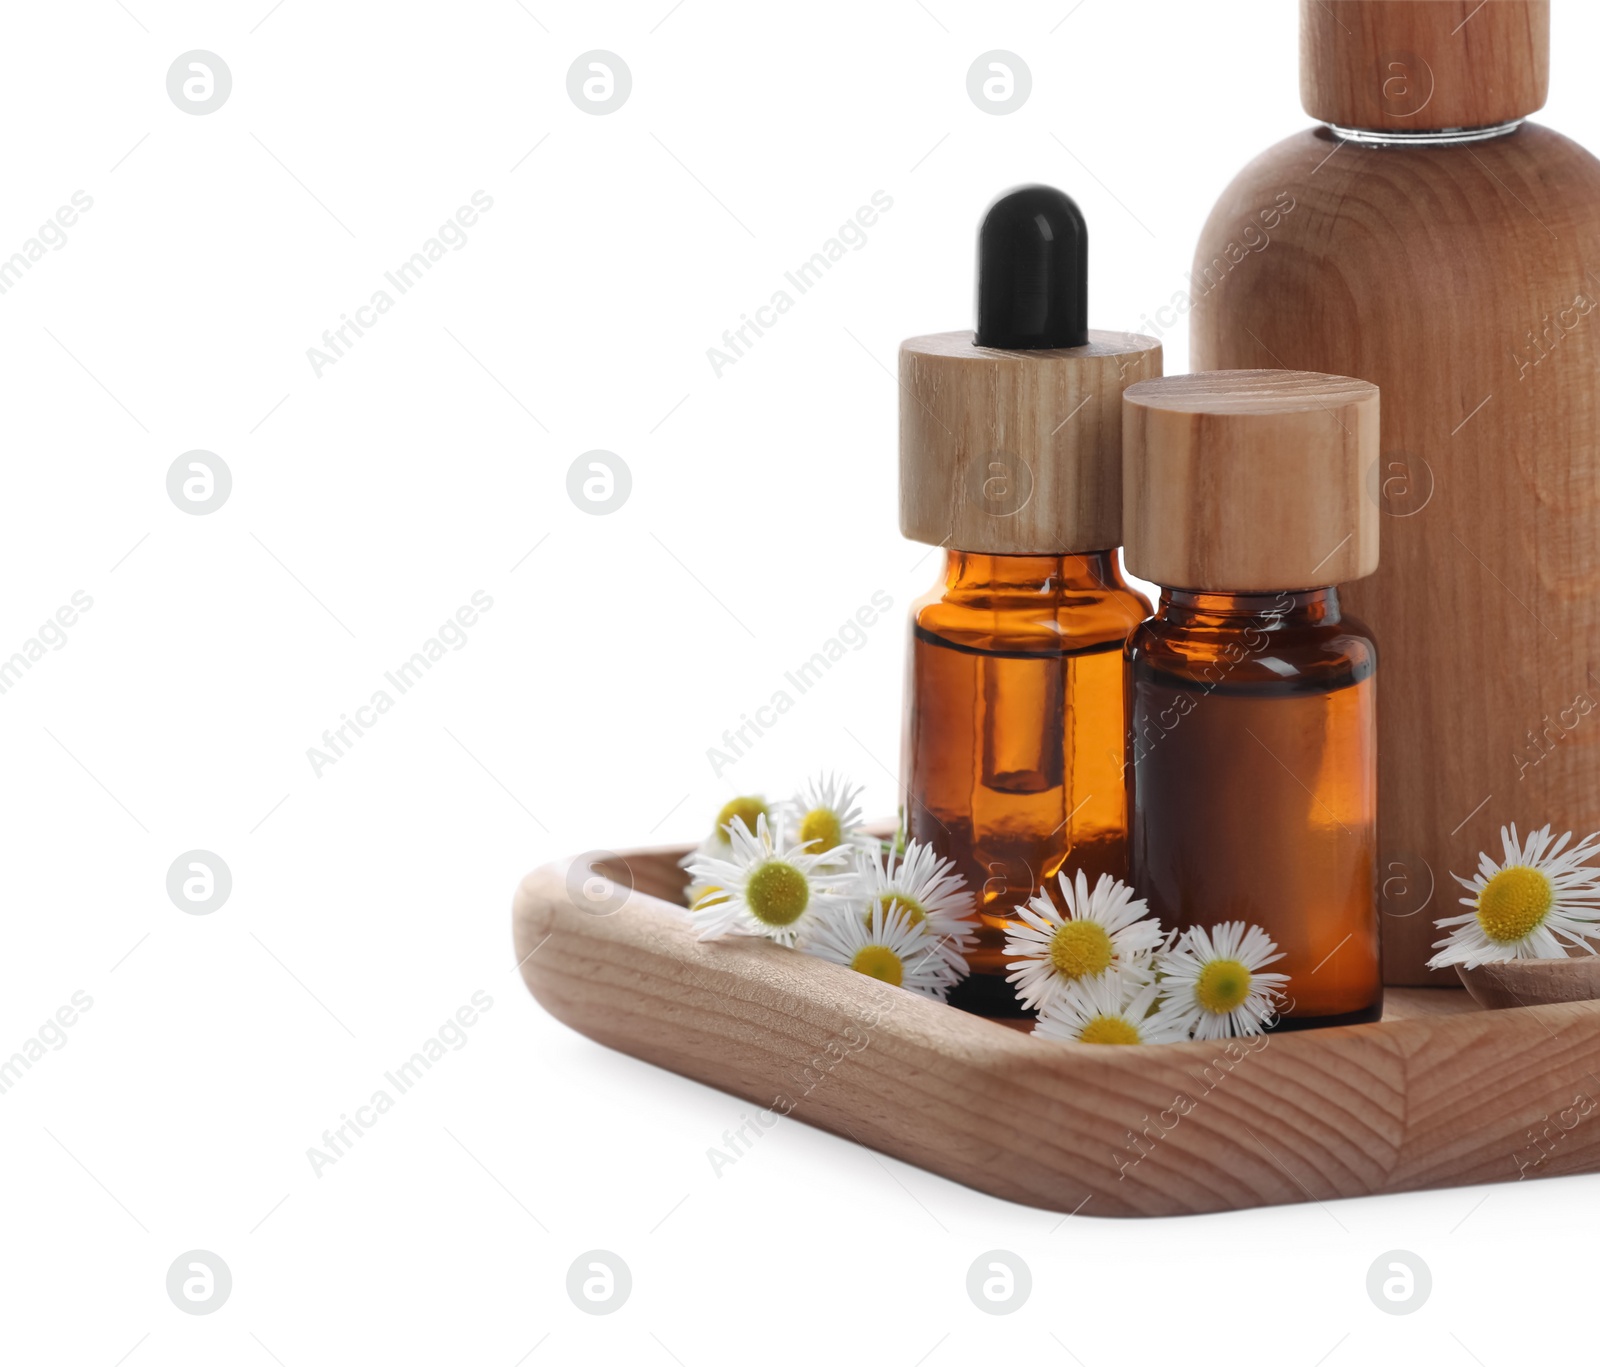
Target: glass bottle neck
<point>1303,607</point>
<point>1428,137</point>
<point>966,572</point>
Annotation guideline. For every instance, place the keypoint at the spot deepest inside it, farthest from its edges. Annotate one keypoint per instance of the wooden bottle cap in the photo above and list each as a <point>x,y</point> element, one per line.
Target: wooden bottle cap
<point>1422,65</point>
<point>1250,481</point>
<point>1016,452</point>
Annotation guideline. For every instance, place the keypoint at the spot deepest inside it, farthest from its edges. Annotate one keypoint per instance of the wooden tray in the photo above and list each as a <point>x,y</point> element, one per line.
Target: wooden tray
<point>1437,1094</point>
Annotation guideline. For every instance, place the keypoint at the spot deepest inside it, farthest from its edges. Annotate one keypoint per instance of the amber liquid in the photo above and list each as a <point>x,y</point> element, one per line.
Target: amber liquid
<point>1253,784</point>
<point>1013,751</point>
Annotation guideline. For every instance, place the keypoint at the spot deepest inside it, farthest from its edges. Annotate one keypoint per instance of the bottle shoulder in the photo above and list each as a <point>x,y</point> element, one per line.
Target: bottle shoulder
<point>1307,249</point>
<point>1043,624</point>
<point>1316,149</point>
<point>1253,657</point>
<point>1301,184</point>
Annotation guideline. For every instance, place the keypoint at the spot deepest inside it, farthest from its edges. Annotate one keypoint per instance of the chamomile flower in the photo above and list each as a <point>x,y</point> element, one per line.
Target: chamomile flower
<point>1109,1009</point>
<point>1524,908</point>
<point>766,887</point>
<point>701,894</point>
<point>825,819</point>
<point>716,845</point>
<point>926,888</point>
<point>891,948</point>
<point>1105,931</point>
<point>1212,985</point>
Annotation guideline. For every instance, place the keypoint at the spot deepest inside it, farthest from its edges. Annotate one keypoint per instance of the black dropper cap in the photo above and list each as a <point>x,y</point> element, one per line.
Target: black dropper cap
<point>1033,272</point>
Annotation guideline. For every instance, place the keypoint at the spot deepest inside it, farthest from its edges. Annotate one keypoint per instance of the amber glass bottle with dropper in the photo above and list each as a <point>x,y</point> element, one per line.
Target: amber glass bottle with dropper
<point>1010,459</point>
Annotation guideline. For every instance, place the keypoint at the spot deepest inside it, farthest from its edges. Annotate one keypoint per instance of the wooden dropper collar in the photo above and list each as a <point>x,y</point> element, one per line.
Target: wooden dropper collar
<point>1011,437</point>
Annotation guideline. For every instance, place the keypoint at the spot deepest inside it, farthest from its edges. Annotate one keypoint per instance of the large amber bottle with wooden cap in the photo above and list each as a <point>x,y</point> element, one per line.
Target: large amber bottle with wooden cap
<point>1431,240</point>
<point>1252,728</point>
<point>1010,460</point>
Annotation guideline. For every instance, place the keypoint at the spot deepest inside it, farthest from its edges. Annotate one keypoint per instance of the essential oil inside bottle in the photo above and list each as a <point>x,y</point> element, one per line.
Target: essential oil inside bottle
<point>1011,460</point>
<point>1252,727</point>
<point>1253,782</point>
<point>1013,737</point>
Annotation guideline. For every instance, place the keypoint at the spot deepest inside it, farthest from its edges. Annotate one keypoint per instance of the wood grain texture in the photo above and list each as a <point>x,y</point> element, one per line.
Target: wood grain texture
<point>1016,452</point>
<point>1456,279</point>
<point>1423,64</point>
<point>1441,1095</point>
<point>1533,982</point>
<point>1249,480</point>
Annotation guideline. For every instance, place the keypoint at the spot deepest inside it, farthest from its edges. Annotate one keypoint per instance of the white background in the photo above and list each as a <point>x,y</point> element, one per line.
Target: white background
<point>370,901</point>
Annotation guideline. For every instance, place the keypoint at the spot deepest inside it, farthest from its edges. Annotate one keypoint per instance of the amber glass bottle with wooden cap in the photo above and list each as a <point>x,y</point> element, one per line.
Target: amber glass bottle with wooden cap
<point>1252,725</point>
<point>1010,459</point>
<point>1448,251</point>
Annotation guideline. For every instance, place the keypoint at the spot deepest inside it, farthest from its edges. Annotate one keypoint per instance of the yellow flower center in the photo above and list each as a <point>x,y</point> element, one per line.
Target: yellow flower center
<point>820,830</point>
<point>709,897</point>
<point>1080,949</point>
<point>910,909</point>
<point>747,809</point>
<point>1108,1030</point>
<point>1222,986</point>
<point>880,962</point>
<point>777,893</point>
<point>1514,903</point>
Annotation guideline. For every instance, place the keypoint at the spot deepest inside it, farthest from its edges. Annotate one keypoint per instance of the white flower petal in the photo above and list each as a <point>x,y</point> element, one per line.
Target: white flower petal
<point>1572,919</point>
